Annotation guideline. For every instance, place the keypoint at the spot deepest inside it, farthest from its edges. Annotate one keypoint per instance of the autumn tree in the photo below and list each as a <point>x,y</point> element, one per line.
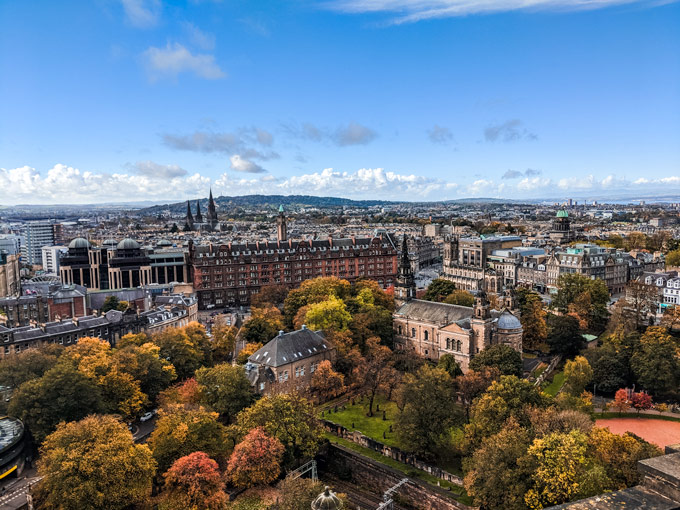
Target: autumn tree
<point>503,357</point>
<point>326,382</point>
<point>643,300</point>
<point>371,370</point>
<point>655,363</point>
<point>29,364</point>
<point>270,295</point>
<point>641,401</point>
<point>186,393</point>
<point>288,417</point>
<point>256,460</point>
<point>193,482</point>
<point>298,493</point>
<point>314,291</point>
<point>248,350</point>
<point>145,364</point>
<point>223,340</point>
<point>263,325</point>
<point>622,319</point>
<point>673,258</point>
<point>671,318</point>
<point>94,463</point>
<point>185,352</point>
<point>460,297</point>
<point>180,431</point>
<point>328,314</point>
<point>621,402</point>
<point>428,409</point>
<point>439,289</point>
<point>584,297</point>
<point>495,477</point>
<point>532,317</point>
<point>473,384</point>
<point>62,394</point>
<point>225,389</point>
<point>577,375</point>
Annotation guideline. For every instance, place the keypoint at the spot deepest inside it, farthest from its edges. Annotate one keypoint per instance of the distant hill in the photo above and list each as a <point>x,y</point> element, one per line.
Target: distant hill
<point>224,203</point>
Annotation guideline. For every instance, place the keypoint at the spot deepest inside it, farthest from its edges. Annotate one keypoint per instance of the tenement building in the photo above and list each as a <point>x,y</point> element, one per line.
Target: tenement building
<point>466,261</point>
<point>433,329</point>
<point>228,274</point>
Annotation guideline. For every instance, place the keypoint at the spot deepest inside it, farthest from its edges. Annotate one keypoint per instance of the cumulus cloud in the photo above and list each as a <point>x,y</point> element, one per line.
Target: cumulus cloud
<point>509,131</point>
<point>142,13</point>
<point>204,40</point>
<point>244,142</point>
<point>409,11</point>
<point>342,136</point>
<point>151,169</point>
<point>174,59</point>
<point>240,164</point>
<point>514,174</point>
<point>440,135</point>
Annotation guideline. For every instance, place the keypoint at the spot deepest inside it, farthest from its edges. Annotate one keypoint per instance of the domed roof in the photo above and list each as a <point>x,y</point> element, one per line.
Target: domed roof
<point>327,500</point>
<point>508,321</point>
<point>562,214</point>
<point>110,242</point>
<point>128,244</point>
<point>79,242</point>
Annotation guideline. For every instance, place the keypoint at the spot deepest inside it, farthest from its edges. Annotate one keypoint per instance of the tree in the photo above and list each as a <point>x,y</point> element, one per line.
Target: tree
<point>561,470</point>
<point>473,384</point>
<point>225,389</point>
<point>29,364</point>
<point>622,320</point>
<point>298,493</point>
<point>577,375</point>
<point>460,298</point>
<point>503,357</point>
<point>62,394</point>
<point>448,363</point>
<point>428,409</point>
<point>193,482</point>
<point>495,477</point>
<point>247,351</point>
<point>564,335</point>
<point>314,291</point>
<point>185,352</point>
<point>326,382</point>
<point>655,363</point>
<point>439,289</point>
<point>673,258</point>
<point>223,340</point>
<point>371,370</point>
<point>256,460</point>
<point>288,417</point>
<point>270,295</point>
<point>588,298</point>
<point>144,364</point>
<point>610,368</point>
<point>94,463</point>
<point>641,401</point>
<point>113,303</point>
<point>180,431</point>
<point>263,325</point>
<point>187,393</point>
<point>671,318</point>
<point>329,314</point>
<point>532,317</point>
<point>174,228</point>
<point>621,402</point>
<point>643,301</point>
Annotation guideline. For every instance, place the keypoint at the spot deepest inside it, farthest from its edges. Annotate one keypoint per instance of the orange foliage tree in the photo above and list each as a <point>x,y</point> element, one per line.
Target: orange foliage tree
<point>256,460</point>
<point>193,481</point>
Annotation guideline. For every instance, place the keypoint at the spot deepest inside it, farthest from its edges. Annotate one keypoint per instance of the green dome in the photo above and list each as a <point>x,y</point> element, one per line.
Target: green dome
<point>562,214</point>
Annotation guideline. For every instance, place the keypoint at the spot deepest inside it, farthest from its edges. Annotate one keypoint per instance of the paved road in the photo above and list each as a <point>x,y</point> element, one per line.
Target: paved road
<point>14,496</point>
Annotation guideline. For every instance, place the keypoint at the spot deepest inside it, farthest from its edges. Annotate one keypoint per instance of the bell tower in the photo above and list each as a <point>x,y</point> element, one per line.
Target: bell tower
<point>405,288</point>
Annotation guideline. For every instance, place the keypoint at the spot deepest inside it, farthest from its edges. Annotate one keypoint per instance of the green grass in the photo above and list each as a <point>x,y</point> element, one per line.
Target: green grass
<point>614,414</point>
<point>409,471</point>
<point>555,385</point>
<point>354,417</point>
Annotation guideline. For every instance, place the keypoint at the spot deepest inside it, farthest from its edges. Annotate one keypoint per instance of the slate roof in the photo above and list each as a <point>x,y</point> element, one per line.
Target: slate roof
<point>438,313</point>
<point>290,347</point>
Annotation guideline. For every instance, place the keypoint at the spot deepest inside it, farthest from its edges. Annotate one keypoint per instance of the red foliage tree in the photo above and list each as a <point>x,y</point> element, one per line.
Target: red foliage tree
<point>193,481</point>
<point>256,460</point>
<point>641,401</point>
<point>621,402</point>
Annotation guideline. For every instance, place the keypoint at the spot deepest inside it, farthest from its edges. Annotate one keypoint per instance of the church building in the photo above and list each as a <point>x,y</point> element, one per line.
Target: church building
<point>433,329</point>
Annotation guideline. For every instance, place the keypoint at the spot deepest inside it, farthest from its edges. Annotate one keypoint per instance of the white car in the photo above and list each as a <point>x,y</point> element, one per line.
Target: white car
<point>146,416</point>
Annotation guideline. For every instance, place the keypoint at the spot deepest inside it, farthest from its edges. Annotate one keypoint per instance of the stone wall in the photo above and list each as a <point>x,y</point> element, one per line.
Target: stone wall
<point>389,451</point>
<point>376,477</point>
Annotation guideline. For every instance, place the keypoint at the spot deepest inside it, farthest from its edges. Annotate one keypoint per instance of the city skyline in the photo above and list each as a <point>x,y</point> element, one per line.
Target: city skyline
<point>394,100</point>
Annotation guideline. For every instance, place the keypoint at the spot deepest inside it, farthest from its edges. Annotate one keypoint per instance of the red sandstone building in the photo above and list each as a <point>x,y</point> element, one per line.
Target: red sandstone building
<point>229,274</point>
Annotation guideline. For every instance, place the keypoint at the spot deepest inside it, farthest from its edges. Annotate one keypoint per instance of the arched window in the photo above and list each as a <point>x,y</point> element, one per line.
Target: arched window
<point>426,335</point>
<point>413,332</point>
<point>458,345</point>
<point>400,329</point>
<point>448,343</point>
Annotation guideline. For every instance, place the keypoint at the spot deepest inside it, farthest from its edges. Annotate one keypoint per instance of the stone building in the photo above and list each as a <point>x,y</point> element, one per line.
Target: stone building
<point>288,361</point>
<point>561,227</point>
<point>10,277</point>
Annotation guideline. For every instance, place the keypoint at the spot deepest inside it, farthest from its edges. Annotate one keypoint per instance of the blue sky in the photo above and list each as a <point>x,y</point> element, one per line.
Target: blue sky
<point>118,100</point>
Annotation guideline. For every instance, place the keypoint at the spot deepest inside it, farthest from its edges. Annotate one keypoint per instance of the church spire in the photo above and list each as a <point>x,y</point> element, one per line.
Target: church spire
<point>405,288</point>
<point>212,211</point>
<point>199,216</point>
<point>190,218</point>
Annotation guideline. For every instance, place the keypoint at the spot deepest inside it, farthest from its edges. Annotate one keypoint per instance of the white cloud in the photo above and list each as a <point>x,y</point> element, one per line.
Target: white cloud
<point>533,183</point>
<point>142,13</point>
<point>408,11</point>
<point>151,169</point>
<point>204,40</point>
<point>241,142</point>
<point>175,59</point>
<point>351,134</point>
<point>240,164</point>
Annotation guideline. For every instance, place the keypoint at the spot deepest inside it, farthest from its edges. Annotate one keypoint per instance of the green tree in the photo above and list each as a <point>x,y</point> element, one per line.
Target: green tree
<point>564,335</point>
<point>503,357</point>
<point>113,303</point>
<point>94,463</point>
<point>577,375</point>
<point>448,363</point>
<point>428,409</point>
<point>288,417</point>
<point>144,364</point>
<point>225,389</point>
<point>180,431</point>
<point>610,368</point>
<point>584,297</point>
<point>439,289</point>
<point>655,363</point>
<point>495,477</point>
<point>314,291</point>
<point>460,298</point>
<point>62,394</point>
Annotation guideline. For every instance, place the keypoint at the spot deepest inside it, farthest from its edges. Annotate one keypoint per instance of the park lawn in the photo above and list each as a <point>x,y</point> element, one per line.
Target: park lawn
<point>409,471</point>
<point>555,385</point>
<point>354,417</point>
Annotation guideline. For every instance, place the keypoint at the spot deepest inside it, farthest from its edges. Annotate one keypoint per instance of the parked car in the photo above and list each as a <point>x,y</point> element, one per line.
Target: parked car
<point>146,416</point>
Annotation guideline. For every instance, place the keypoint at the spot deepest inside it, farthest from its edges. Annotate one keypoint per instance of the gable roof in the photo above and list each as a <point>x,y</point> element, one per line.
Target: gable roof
<point>429,311</point>
<point>287,348</point>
